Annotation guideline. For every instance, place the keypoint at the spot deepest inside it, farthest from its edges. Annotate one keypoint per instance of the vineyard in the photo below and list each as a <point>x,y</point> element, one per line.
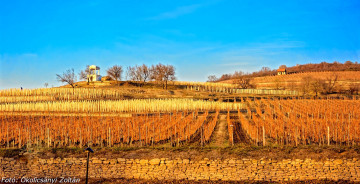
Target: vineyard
<point>297,77</point>
<point>294,122</point>
<point>141,130</point>
<point>119,106</point>
<point>231,90</point>
<point>342,76</point>
<point>61,117</point>
<point>62,93</point>
<point>293,81</point>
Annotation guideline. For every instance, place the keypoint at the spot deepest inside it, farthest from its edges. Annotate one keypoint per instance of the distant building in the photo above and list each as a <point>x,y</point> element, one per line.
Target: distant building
<point>281,71</point>
<point>94,74</point>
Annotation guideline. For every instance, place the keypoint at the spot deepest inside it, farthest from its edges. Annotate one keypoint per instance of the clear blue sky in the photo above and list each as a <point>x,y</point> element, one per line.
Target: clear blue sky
<point>39,39</point>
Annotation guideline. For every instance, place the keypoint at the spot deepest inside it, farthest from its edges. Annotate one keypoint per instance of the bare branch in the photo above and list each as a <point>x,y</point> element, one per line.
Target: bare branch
<point>83,74</point>
<point>163,73</point>
<point>243,82</point>
<point>67,77</point>
<point>115,72</point>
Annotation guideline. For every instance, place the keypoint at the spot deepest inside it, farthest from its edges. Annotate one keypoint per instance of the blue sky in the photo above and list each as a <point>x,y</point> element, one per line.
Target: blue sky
<point>39,39</point>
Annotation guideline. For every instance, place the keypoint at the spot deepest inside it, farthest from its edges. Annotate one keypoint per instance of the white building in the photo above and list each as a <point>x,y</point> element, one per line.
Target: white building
<point>94,73</point>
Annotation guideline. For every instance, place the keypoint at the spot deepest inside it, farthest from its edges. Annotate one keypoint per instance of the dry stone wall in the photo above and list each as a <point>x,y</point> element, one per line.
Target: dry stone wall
<point>230,169</point>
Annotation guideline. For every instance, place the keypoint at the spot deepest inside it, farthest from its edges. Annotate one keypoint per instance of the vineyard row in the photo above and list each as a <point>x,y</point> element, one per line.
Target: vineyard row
<point>295,122</point>
<point>141,130</point>
<point>135,105</point>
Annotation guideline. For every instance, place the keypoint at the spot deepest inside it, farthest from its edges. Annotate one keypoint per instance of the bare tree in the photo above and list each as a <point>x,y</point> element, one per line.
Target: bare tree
<point>131,73</point>
<point>83,74</point>
<point>169,74</point>
<point>348,63</point>
<point>305,84</point>
<point>68,76</point>
<point>238,74</point>
<point>354,88</point>
<point>139,73</point>
<point>212,78</point>
<point>264,71</point>
<point>277,83</point>
<point>46,84</point>
<point>243,82</point>
<point>163,73</point>
<point>115,72</point>
<point>317,86</point>
<point>330,83</point>
<point>157,72</point>
<point>144,72</point>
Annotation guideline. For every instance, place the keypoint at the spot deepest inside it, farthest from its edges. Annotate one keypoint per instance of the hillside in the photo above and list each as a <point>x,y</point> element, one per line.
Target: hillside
<point>310,67</point>
<point>195,126</point>
<point>293,81</point>
<point>150,90</point>
<point>176,89</point>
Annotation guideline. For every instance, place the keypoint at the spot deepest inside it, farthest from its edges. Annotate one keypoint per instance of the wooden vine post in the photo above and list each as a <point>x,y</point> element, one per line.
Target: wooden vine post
<point>202,134</point>
<point>264,141</point>
<point>328,136</point>
<point>140,135</point>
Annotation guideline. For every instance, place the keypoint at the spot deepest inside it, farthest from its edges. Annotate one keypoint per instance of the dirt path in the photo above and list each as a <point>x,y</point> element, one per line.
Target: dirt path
<point>220,132</point>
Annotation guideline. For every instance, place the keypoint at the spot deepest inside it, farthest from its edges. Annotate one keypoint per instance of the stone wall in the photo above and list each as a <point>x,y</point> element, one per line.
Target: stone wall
<point>231,169</point>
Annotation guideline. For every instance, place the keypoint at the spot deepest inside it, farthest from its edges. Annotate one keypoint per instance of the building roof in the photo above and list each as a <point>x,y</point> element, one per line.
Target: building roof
<point>281,70</point>
<point>94,67</point>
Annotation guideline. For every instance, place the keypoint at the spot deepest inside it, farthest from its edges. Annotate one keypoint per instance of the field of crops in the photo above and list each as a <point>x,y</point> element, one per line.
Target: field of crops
<point>142,130</point>
<point>62,93</point>
<point>87,100</point>
<point>294,122</point>
<point>119,106</point>
<point>234,89</point>
<point>82,117</point>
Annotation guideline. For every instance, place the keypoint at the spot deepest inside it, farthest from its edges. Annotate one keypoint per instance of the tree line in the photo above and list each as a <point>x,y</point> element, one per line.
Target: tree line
<point>310,67</point>
<point>160,73</point>
<point>326,86</point>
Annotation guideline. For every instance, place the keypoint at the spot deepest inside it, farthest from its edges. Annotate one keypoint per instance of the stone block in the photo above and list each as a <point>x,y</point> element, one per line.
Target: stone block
<point>154,161</point>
